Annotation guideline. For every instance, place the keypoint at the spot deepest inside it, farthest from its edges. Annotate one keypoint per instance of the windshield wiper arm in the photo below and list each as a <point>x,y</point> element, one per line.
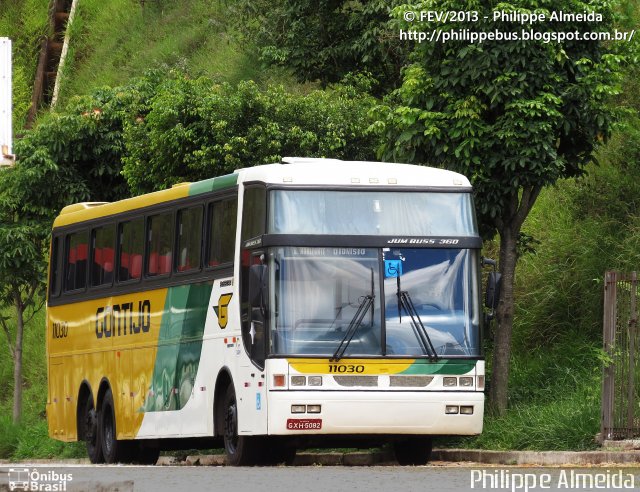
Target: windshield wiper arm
<point>356,321</point>
<point>404,301</point>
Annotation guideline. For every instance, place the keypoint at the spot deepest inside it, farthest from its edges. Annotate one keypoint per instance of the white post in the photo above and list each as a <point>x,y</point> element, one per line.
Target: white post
<point>6,126</point>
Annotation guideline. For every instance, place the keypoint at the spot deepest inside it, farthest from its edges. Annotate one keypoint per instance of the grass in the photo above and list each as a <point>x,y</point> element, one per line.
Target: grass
<point>24,22</point>
<point>30,438</point>
<point>114,41</point>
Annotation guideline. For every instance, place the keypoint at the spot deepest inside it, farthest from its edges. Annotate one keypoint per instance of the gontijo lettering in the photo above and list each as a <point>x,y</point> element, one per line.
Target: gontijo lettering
<point>123,319</point>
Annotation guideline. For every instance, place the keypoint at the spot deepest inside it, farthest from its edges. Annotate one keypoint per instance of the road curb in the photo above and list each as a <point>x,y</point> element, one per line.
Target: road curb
<point>541,458</point>
<point>366,458</point>
<point>476,456</point>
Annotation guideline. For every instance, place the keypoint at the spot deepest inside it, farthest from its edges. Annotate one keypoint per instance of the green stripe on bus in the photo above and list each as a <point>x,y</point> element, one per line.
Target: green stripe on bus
<point>179,347</point>
<point>441,367</point>
<point>213,184</point>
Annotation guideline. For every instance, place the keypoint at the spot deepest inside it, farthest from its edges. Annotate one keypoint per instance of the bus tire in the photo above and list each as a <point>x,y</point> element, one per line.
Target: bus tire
<point>240,450</point>
<point>412,451</point>
<point>90,431</point>
<point>113,450</point>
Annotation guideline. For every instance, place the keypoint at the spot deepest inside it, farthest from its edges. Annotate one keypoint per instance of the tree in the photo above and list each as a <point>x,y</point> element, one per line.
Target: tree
<point>514,116</point>
<point>194,129</point>
<point>70,156</point>
<point>325,40</point>
<point>24,237</point>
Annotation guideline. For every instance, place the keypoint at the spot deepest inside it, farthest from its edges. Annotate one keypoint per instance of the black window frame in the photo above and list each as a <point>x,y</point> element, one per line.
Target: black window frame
<point>56,266</point>
<point>131,286</point>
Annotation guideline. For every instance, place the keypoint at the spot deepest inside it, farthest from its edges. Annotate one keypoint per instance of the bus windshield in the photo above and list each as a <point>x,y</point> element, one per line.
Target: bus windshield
<point>316,295</point>
<point>372,213</point>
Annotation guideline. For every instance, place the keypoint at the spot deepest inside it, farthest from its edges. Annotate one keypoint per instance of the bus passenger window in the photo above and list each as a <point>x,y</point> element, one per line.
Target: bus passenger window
<point>222,231</point>
<point>160,241</point>
<point>104,239</point>
<point>131,236</point>
<point>76,265</point>
<point>189,239</point>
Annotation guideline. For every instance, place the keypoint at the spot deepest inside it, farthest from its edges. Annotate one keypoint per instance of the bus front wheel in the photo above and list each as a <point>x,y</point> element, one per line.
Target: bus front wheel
<point>414,450</point>
<point>240,450</point>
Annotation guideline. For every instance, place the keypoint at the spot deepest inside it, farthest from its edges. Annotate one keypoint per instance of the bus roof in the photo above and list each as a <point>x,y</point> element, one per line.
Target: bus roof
<point>292,171</point>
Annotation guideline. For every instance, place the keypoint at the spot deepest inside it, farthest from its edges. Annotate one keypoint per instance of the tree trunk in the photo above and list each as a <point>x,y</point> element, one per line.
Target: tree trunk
<point>509,229</point>
<point>504,318</point>
<point>17,361</point>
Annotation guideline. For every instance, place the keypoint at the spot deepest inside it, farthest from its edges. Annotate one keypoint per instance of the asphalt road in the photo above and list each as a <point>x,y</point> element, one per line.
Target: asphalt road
<point>316,478</point>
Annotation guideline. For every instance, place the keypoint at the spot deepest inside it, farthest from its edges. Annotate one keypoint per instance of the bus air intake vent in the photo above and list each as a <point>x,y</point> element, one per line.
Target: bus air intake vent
<point>409,381</point>
<point>356,380</point>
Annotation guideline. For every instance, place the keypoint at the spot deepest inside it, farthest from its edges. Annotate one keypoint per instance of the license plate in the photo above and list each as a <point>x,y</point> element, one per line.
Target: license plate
<point>304,424</point>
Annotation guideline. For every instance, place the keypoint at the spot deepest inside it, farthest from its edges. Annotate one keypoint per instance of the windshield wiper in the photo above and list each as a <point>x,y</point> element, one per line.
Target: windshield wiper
<point>356,321</point>
<point>365,304</point>
<point>404,301</point>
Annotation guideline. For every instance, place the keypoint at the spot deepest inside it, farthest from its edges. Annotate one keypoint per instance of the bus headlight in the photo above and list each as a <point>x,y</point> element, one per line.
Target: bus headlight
<point>451,409</point>
<point>466,381</point>
<point>313,408</point>
<point>315,380</point>
<point>298,380</point>
<point>298,408</point>
<point>466,410</point>
<point>449,382</point>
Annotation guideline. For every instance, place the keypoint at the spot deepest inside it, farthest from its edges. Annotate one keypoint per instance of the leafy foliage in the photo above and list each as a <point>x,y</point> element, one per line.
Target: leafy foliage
<point>511,115</point>
<point>195,129</point>
<point>327,39</point>
<point>514,116</point>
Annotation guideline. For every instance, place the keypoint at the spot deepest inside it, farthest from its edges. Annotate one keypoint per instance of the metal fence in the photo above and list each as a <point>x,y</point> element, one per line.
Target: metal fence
<point>621,381</point>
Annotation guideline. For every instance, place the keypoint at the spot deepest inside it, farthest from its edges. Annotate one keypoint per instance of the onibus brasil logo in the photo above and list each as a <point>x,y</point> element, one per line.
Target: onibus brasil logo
<point>32,479</point>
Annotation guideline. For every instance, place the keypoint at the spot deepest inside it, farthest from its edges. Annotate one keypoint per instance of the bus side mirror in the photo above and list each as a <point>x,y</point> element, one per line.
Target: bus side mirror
<point>492,291</point>
<point>257,285</point>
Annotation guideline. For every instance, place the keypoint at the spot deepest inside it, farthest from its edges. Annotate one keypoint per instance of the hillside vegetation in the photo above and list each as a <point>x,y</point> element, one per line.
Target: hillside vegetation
<point>579,228</point>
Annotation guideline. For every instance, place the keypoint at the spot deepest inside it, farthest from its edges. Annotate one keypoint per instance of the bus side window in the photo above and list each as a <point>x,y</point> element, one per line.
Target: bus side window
<point>55,267</point>
<point>254,212</point>
<point>189,239</point>
<point>160,244</point>
<point>222,231</point>
<point>77,249</point>
<point>131,250</point>
<point>103,255</point>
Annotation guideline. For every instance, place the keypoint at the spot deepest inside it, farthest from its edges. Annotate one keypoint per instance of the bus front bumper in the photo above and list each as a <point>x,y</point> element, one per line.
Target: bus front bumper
<point>369,412</point>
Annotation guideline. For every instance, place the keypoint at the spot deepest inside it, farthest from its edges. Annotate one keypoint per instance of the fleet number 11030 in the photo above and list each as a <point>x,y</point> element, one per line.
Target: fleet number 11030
<point>346,368</point>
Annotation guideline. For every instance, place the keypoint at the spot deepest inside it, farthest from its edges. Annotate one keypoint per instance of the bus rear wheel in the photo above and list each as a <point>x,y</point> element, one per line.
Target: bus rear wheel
<point>240,450</point>
<point>90,431</point>
<point>113,450</point>
<point>412,451</point>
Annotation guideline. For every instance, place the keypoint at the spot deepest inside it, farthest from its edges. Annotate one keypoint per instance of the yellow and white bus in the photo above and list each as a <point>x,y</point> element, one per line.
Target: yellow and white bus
<point>304,302</point>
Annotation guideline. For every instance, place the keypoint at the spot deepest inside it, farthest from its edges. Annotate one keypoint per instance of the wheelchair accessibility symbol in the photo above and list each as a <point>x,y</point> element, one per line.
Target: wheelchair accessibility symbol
<point>392,268</point>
